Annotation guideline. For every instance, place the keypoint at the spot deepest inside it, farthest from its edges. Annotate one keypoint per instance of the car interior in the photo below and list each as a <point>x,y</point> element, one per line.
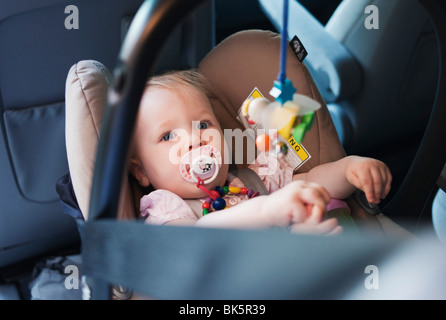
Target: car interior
<point>381,86</point>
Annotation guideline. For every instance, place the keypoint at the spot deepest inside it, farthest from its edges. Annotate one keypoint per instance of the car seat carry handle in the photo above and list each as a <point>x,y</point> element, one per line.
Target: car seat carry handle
<point>165,262</point>
<point>151,27</point>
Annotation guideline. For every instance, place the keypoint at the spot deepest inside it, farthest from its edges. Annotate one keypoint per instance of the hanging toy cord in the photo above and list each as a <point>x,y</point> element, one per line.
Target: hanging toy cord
<point>284,91</point>
<point>283,45</point>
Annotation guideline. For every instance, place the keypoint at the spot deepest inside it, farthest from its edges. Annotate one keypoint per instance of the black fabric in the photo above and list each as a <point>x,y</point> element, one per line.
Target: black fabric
<point>64,188</point>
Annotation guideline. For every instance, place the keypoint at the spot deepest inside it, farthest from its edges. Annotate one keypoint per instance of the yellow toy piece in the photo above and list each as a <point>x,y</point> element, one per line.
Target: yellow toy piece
<point>282,118</point>
<point>294,109</point>
<point>285,132</point>
<point>245,107</point>
<point>234,190</point>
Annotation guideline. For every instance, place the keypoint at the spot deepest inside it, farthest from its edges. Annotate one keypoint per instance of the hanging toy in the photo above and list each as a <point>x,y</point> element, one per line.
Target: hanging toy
<point>291,114</point>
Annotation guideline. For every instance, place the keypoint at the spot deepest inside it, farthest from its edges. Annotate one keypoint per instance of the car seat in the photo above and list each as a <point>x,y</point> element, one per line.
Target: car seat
<point>36,52</point>
<point>380,80</point>
<point>87,87</point>
<point>233,71</point>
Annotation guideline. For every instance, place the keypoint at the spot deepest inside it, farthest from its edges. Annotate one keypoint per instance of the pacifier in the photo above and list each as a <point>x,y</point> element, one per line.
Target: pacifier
<point>202,164</point>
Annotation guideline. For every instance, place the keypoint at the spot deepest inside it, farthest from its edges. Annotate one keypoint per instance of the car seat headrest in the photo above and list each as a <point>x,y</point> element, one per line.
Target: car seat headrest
<point>85,100</point>
<point>236,66</point>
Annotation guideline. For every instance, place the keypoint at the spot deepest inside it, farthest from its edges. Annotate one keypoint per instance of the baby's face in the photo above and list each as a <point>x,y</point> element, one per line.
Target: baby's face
<point>170,123</point>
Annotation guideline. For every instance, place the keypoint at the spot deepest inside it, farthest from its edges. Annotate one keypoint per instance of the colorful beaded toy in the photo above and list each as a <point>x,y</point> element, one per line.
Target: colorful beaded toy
<point>215,198</point>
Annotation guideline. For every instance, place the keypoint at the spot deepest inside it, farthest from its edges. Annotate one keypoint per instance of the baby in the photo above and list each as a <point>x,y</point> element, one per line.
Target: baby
<point>180,152</point>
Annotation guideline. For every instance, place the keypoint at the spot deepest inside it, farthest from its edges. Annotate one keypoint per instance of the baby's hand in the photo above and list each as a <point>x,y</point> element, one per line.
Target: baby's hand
<point>369,175</point>
<point>299,204</point>
<point>316,226</point>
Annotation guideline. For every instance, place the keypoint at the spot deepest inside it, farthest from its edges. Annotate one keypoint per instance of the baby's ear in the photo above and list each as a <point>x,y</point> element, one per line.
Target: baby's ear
<point>137,170</point>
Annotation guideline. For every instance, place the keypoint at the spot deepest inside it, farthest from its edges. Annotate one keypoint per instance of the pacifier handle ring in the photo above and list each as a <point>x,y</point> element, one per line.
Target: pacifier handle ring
<point>200,184</point>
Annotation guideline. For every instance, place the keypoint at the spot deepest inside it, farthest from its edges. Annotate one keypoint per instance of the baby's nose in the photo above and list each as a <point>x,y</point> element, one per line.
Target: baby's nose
<point>191,147</point>
<point>195,142</point>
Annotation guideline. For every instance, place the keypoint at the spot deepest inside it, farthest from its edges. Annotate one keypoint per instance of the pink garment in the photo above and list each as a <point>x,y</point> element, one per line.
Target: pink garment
<point>275,173</point>
<point>337,204</point>
<point>162,206</point>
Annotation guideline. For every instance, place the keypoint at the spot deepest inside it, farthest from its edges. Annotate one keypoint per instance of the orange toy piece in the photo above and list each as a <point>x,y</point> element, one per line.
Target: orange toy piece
<point>263,142</point>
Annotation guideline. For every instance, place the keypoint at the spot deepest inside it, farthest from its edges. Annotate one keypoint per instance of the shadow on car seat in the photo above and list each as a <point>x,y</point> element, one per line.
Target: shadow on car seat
<point>38,47</point>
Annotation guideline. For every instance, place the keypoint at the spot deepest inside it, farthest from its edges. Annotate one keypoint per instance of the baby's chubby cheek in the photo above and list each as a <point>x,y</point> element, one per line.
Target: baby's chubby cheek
<point>221,178</point>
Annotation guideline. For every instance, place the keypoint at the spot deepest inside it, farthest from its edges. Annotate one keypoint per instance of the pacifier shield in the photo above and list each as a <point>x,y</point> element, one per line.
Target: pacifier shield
<point>201,164</point>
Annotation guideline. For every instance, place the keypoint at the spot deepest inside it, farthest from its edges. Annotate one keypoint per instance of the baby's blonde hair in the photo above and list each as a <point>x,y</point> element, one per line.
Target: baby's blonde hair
<point>173,79</point>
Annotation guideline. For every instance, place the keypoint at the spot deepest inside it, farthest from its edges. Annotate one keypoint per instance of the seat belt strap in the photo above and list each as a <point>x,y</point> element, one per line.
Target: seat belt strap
<point>251,180</point>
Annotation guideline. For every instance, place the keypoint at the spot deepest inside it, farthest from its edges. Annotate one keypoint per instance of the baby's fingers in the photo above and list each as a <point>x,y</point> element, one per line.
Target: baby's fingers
<point>327,227</point>
<point>336,231</point>
<point>370,182</point>
<point>364,182</point>
<point>381,179</point>
<point>311,193</point>
<point>378,186</point>
<point>316,215</point>
<point>386,177</point>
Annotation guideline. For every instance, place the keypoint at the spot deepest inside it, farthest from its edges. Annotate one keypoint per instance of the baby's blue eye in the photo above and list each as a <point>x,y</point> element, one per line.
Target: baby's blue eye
<point>203,125</point>
<point>167,136</point>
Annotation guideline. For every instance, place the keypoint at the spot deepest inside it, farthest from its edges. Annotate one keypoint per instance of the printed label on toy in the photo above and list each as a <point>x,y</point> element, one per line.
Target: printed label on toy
<point>295,154</point>
<point>301,152</point>
<point>298,48</point>
<point>255,94</point>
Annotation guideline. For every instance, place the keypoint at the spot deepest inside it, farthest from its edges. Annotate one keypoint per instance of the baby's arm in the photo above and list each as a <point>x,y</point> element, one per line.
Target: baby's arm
<point>341,177</point>
<point>299,204</point>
